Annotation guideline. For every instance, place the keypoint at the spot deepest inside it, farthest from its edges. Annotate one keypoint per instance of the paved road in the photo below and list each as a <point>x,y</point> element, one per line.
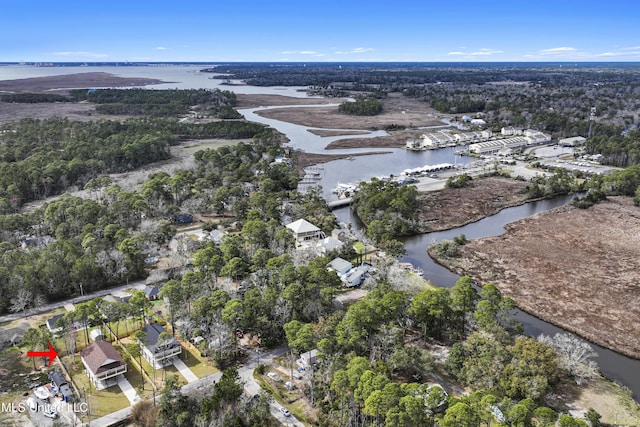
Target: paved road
<point>246,374</point>
<point>49,307</point>
<point>252,387</point>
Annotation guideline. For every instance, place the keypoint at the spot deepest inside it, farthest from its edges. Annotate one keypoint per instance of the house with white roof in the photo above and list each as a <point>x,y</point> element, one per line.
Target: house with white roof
<point>304,231</point>
<point>340,266</point>
<point>328,244</point>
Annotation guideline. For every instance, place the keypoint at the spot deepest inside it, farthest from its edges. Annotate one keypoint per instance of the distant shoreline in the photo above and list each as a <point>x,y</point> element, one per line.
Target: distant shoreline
<point>73,81</point>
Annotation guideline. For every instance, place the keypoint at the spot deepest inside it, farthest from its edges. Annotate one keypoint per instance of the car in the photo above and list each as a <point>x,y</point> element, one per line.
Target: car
<point>273,376</point>
<point>297,375</point>
<point>285,411</point>
<point>50,413</point>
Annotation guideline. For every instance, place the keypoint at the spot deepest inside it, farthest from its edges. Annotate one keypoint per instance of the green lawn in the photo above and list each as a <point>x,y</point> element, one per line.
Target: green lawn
<point>101,402</point>
<point>199,365</point>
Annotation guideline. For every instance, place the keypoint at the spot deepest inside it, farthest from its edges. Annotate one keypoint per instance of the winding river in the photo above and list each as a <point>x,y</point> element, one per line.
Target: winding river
<point>613,365</point>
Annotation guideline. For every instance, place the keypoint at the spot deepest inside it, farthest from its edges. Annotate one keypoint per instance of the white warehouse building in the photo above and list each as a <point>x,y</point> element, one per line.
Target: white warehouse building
<point>532,137</point>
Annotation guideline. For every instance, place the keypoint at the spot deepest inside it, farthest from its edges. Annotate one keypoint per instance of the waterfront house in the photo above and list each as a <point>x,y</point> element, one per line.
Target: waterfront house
<point>303,231</point>
<point>103,364</point>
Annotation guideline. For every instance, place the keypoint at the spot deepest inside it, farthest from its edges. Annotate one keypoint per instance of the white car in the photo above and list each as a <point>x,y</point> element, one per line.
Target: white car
<point>273,376</point>
<point>285,411</point>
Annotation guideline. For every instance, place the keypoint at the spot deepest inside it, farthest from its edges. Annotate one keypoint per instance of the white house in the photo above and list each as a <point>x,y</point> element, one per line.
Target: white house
<point>329,244</point>
<point>340,266</point>
<point>303,231</point>
<point>308,359</point>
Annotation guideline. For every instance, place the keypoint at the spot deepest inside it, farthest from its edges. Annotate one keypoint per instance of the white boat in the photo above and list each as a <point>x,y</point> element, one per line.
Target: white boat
<point>41,393</point>
<point>345,189</point>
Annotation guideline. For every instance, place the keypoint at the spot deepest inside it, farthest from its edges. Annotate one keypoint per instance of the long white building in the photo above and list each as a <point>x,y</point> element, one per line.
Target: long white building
<point>531,137</point>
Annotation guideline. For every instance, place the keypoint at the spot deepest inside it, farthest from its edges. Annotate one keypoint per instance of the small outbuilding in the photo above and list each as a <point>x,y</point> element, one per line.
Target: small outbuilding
<point>152,292</point>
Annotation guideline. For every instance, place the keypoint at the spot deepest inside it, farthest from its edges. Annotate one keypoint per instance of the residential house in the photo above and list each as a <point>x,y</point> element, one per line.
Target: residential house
<point>120,297</point>
<point>355,276</point>
<point>340,266</point>
<point>152,292</point>
<point>103,364</point>
<point>12,336</point>
<point>303,231</point>
<point>61,385</point>
<point>328,244</point>
<point>159,352</point>
<point>309,359</point>
<point>216,236</point>
<point>51,322</point>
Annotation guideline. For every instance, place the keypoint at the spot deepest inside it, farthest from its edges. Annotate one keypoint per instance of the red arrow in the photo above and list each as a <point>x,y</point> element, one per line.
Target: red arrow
<point>51,354</point>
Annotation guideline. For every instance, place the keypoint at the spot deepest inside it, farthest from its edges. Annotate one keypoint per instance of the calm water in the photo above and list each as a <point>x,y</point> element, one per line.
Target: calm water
<point>181,77</point>
<point>613,365</point>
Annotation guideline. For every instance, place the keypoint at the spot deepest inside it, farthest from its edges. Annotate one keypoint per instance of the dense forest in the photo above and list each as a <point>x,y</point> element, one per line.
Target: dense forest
<point>158,103</point>
<point>39,158</point>
<point>388,210</point>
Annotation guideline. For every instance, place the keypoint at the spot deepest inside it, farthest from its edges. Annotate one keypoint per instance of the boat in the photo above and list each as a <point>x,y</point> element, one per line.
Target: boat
<point>345,190</point>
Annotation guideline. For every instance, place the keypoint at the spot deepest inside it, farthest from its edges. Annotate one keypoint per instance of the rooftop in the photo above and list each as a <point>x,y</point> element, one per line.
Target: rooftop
<point>101,356</point>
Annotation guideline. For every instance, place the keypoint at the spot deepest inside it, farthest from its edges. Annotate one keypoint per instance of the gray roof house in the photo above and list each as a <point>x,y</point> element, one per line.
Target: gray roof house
<point>303,230</point>
<point>159,352</point>
<point>152,292</point>
<point>340,266</point>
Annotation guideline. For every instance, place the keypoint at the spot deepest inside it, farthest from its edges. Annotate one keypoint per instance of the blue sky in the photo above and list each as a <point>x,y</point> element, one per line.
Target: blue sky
<point>318,31</point>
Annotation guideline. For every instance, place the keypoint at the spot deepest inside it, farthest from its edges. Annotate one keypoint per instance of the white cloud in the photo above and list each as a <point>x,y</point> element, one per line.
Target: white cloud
<point>356,50</point>
<point>302,52</point>
<point>557,50</point>
<point>161,48</point>
<point>481,52</point>
<point>486,52</point>
<point>620,53</point>
<point>81,54</point>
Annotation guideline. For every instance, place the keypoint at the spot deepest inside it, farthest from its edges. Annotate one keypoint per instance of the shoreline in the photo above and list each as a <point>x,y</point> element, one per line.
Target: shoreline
<point>65,82</point>
<point>540,263</point>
